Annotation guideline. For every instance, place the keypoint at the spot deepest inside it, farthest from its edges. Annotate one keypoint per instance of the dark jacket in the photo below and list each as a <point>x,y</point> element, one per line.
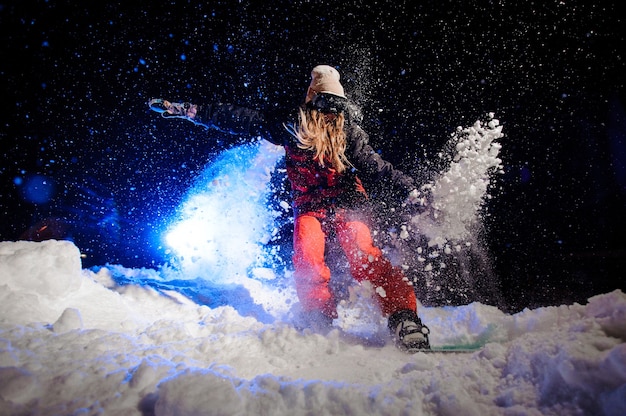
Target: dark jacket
<point>313,186</point>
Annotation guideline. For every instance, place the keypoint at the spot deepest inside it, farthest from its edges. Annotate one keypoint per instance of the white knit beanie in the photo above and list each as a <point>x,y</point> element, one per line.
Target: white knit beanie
<point>325,79</point>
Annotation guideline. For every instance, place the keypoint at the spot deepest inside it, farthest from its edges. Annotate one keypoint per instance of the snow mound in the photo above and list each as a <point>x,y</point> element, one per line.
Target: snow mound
<point>57,272</point>
<point>76,342</point>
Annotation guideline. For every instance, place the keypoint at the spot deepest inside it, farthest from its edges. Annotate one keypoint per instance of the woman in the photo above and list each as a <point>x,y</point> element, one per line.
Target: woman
<point>326,155</point>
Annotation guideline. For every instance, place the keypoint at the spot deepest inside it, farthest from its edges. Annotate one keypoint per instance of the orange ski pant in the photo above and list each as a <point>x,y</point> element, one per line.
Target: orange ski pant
<point>312,275</point>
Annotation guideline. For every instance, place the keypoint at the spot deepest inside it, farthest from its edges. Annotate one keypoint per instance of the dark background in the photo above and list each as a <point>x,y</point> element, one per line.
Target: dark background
<point>82,157</point>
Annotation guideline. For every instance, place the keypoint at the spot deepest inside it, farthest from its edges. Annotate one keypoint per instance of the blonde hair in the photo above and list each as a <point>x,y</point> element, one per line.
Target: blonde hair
<point>326,138</point>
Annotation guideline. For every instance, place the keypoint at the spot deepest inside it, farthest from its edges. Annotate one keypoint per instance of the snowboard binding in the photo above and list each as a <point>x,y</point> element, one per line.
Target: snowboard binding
<point>410,333</point>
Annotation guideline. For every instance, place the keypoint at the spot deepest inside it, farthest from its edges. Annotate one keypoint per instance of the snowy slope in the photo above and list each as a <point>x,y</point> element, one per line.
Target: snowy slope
<point>74,342</point>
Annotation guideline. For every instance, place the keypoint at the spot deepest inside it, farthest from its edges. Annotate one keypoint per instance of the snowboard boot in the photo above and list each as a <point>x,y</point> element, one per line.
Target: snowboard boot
<point>168,109</point>
<point>408,331</point>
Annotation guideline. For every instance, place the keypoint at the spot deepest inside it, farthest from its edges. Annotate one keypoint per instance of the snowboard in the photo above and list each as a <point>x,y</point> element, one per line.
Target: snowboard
<point>381,342</point>
<point>449,349</point>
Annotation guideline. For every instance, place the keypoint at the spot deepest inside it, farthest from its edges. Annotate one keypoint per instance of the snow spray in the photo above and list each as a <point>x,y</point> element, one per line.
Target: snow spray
<point>223,226</point>
<point>441,248</point>
<point>457,195</point>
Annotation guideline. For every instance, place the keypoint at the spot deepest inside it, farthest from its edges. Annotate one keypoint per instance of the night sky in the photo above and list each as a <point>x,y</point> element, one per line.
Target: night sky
<point>83,158</point>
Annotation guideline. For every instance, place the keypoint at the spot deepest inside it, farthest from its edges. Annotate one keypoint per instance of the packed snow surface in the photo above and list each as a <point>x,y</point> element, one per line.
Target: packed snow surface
<point>76,341</point>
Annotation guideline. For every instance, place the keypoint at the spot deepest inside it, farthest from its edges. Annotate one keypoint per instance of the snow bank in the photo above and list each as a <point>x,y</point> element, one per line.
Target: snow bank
<point>56,273</point>
<point>74,342</point>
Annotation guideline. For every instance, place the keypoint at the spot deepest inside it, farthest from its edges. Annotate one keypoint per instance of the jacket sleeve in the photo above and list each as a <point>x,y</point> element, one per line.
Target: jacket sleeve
<point>378,175</point>
<point>243,122</point>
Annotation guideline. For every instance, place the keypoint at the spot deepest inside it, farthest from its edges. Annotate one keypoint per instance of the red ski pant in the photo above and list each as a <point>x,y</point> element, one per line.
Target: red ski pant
<point>312,275</point>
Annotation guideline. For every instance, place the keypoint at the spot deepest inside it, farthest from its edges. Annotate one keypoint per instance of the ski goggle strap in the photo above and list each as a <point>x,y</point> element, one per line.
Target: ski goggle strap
<point>328,103</point>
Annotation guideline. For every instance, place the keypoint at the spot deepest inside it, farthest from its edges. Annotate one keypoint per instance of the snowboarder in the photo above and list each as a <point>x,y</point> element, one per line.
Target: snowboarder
<point>326,155</point>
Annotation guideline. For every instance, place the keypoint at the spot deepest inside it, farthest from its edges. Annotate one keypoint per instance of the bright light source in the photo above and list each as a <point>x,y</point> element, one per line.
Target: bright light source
<point>224,221</point>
